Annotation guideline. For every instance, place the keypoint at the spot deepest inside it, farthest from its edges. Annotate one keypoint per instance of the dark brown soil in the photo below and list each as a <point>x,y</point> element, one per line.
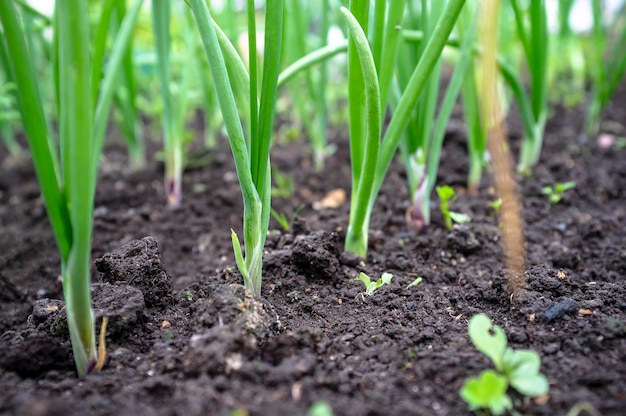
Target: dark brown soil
<point>186,339</point>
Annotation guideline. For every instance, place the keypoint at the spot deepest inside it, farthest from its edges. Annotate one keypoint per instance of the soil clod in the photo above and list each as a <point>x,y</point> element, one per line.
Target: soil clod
<point>138,263</point>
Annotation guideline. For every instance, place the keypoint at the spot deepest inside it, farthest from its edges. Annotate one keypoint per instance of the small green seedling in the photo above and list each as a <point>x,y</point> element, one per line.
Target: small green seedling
<point>415,282</point>
<point>320,408</point>
<point>187,294</point>
<point>487,391</point>
<point>447,197</point>
<point>555,193</point>
<point>282,219</point>
<point>285,184</point>
<point>496,204</point>
<point>371,286</point>
<point>516,368</point>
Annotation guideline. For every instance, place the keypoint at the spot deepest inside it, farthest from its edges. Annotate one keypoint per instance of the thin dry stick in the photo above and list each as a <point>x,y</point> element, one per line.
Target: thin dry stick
<point>510,212</point>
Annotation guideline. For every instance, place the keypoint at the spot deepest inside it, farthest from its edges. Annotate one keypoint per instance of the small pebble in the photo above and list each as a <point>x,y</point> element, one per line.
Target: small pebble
<point>560,308</point>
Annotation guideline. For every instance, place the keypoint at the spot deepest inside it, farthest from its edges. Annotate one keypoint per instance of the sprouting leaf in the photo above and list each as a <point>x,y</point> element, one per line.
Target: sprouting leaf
<point>445,192</point>
<point>517,368</point>
<point>488,391</point>
<point>241,264</point>
<point>522,369</point>
<point>562,187</point>
<point>415,282</point>
<point>385,279</point>
<point>370,287</point>
<point>531,385</point>
<point>446,197</point>
<point>365,279</point>
<point>555,194</point>
<point>280,218</point>
<point>320,408</point>
<point>488,339</point>
<point>525,361</point>
<point>459,217</point>
<point>496,204</point>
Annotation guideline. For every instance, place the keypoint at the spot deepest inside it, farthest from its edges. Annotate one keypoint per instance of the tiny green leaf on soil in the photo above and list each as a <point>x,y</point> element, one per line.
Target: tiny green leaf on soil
<point>415,282</point>
<point>371,286</point>
<point>516,368</point>
<point>320,408</point>
<point>446,198</point>
<point>488,338</point>
<point>487,391</point>
<point>555,193</point>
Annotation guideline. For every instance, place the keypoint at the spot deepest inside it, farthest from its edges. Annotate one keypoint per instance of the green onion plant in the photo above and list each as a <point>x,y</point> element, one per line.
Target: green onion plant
<point>172,139</point>
<point>311,108</point>
<point>421,146</point>
<point>368,89</point>
<point>370,156</point>
<point>34,24</point>
<point>209,103</point>
<point>566,70</point>
<point>109,22</point>
<point>67,170</point>
<point>251,150</point>
<point>475,129</point>
<point>607,64</point>
<point>532,32</point>
<point>127,114</point>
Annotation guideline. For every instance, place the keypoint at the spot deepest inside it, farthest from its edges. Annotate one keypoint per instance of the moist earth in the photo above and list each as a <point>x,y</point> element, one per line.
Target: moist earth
<point>185,338</point>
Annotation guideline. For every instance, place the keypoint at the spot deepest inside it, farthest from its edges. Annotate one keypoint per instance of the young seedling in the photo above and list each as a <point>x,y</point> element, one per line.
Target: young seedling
<point>447,197</point>
<point>415,282</point>
<point>516,368</point>
<point>555,193</point>
<point>496,204</point>
<point>487,391</point>
<point>285,184</point>
<point>371,286</point>
<point>282,219</point>
<point>320,408</point>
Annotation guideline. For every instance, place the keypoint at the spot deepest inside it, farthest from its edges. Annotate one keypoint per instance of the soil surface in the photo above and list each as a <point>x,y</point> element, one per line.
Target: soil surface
<point>185,338</point>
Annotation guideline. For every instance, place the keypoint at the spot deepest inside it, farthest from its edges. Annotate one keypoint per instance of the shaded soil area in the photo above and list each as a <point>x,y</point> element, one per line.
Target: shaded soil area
<point>184,338</point>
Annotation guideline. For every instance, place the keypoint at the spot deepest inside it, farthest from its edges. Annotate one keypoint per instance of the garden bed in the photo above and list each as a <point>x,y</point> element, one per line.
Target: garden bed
<point>202,346</point>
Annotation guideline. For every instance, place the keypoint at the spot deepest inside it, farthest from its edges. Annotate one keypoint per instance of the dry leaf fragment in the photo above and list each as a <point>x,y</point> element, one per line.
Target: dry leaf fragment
<point>333,199</point>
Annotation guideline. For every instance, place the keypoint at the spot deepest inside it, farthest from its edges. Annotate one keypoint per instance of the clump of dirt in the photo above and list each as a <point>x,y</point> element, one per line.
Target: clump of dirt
<point>138,264</point>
